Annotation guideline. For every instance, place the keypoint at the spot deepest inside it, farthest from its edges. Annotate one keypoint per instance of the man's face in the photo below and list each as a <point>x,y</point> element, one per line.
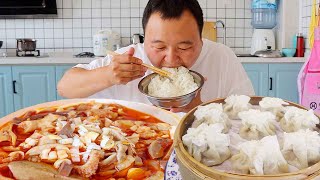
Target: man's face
<point>172,42</point>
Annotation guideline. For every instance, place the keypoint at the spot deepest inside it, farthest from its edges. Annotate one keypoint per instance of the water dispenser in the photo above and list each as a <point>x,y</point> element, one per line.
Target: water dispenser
<point>264,19</point>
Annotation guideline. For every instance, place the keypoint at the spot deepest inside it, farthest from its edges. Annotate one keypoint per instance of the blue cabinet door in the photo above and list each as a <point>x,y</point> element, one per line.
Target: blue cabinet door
<point>60,70</point>
<point>6,95</point>
<point>258,74</point>
<point>283,81</point>
<point>34,85</point>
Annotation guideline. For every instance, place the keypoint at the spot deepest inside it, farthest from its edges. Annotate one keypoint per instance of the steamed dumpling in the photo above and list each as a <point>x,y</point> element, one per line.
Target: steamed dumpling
<point>301,149</point>
<point>207,144</point>
<point>274,105</point>
<point>211,114</point>
<point>295,119</point>
<point>260,157</point>
<point>256,124</point>
<point>235,104</point>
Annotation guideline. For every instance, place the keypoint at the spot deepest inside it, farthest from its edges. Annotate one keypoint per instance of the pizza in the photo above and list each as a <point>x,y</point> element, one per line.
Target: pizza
<point>89,140</point>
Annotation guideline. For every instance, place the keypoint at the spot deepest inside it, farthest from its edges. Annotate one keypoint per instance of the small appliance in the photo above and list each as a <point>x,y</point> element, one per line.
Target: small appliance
<point>137,38</point>
<point>105,40</point>
<point>27,47</point>
<point>262,39</point>
<point>264,13</point>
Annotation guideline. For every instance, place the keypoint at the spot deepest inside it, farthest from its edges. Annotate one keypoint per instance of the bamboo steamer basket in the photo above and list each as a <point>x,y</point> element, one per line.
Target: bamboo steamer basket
<point>192,169</point>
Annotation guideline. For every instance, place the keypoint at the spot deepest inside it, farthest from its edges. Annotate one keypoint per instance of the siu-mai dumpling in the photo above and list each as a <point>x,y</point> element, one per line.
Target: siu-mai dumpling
<point>235,104</point>
<point>295,119</point>
<point>211,114</point>
<point>256,124</point>
<point>301,149</point>
<point>207,144</point>
<point>274,105</point>
<point>260,157</point>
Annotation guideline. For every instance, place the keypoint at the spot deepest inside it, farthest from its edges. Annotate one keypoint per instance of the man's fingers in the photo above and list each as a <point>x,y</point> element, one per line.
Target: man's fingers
<point>132,67</point>
<point>131,74</point>
<point>125,80</point>
<point>130,52</point>
<point>125,59</point>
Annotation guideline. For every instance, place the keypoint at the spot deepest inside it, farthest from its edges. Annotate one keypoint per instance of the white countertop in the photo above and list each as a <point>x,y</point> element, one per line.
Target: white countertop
<point>272,60</point>
<point>71,60</point>
<point>43,60</point>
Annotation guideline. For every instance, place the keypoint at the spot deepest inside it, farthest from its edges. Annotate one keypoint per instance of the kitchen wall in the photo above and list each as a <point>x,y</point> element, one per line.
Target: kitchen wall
<point>77,20</point>
<point>288,22</point>
<point>304,20</point>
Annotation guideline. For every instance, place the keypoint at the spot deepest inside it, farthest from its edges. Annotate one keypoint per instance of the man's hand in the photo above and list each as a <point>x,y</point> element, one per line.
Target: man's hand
<point>195,102</point>
<point>125,68</point>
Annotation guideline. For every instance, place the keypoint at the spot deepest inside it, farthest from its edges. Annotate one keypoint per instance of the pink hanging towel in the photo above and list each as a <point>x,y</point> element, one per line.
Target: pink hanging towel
<point>309,77</point>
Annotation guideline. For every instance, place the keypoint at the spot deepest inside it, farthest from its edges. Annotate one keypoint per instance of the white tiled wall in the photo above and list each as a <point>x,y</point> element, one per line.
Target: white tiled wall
<point>305,16</point>
<point>78,20</point>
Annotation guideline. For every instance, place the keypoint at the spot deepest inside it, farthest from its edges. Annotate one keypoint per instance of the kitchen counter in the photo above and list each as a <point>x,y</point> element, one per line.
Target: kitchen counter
<point>71,60</point>
<point>272,60</point>
<point>43,60</point>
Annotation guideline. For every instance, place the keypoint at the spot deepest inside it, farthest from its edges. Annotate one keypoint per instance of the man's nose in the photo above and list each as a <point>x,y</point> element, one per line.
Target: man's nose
<point>172,57</point>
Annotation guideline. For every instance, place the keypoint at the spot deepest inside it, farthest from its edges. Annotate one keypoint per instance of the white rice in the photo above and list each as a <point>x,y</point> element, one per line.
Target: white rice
<point>182,83</point>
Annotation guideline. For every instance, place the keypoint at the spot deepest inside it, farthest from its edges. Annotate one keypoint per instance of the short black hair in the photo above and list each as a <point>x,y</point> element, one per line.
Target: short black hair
<point>173,9</point>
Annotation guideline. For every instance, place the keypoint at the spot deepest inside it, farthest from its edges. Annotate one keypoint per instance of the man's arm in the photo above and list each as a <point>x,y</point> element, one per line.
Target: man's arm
<point>80,83</point>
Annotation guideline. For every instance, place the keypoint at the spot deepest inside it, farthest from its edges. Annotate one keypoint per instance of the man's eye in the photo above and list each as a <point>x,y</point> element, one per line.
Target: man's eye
<point>183,49</point>
<point>160,48</point>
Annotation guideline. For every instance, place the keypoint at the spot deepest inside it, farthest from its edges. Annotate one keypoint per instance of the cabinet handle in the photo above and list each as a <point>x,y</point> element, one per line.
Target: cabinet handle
<point>270,84</point>
<point>14,86</point>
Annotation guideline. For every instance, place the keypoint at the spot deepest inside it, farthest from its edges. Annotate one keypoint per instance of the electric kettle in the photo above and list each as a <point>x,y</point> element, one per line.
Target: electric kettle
<point>105,40</point>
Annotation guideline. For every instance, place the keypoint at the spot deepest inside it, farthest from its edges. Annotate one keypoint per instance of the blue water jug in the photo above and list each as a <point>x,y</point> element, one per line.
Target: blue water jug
<point>264,14</point>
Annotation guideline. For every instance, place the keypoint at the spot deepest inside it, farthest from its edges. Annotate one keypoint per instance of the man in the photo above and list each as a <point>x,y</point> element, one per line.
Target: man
<point>172,31</point>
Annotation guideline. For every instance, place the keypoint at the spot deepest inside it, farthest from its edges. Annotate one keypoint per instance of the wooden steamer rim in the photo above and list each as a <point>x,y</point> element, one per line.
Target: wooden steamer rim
<point>204,172</point>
